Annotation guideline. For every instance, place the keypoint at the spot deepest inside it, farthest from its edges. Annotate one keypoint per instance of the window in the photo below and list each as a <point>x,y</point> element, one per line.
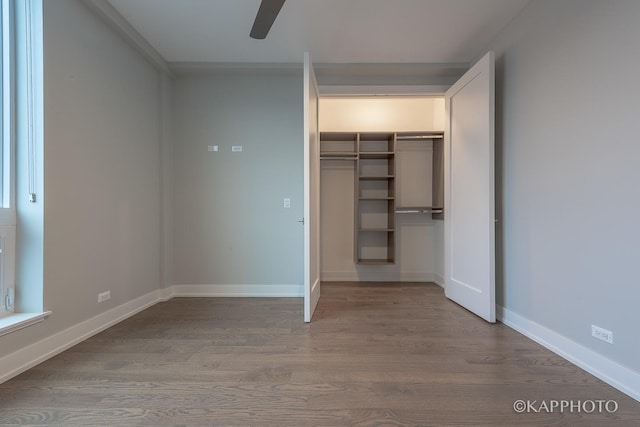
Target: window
<point>21,165</point>
<point>7,208</point>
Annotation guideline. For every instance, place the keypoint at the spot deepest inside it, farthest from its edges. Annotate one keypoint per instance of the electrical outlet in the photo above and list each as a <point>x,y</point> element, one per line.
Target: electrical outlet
<point>287,203</point>
<point>602,334</point>
<point>104,296</point>
<point>236,148</point>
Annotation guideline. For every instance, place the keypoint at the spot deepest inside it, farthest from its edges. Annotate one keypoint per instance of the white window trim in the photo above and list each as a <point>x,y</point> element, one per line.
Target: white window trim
<point>7,202</point>
<point>27,16</point>
<point>7,267</point>
<point>15,321</point>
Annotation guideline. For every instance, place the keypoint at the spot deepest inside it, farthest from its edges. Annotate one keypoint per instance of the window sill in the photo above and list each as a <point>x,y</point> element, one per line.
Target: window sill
<point>15,321</point>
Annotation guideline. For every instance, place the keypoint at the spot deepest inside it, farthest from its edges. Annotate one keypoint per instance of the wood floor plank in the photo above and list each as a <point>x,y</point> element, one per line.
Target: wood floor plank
<point>375,354</point>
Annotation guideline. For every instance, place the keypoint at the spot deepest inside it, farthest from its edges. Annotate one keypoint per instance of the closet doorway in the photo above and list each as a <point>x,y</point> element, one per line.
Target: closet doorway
<point>407,189</point>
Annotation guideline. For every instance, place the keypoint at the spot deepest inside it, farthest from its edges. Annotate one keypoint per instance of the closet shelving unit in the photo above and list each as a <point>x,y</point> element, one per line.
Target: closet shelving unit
<point>436,208</point>
<point>374,154</point>
<point>338,146</point>
<point>375,199</point>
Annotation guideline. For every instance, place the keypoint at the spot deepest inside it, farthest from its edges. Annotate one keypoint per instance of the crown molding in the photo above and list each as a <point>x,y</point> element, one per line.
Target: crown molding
<point>217,68</point>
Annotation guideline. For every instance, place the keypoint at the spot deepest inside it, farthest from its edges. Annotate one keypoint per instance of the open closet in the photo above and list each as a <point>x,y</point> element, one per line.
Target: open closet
<point>382,188</point>
<point>402,189</point>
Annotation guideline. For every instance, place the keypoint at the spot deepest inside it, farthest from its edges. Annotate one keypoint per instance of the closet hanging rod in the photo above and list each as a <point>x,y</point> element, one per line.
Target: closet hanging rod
<point>417,137</point>
<point>421,210</point>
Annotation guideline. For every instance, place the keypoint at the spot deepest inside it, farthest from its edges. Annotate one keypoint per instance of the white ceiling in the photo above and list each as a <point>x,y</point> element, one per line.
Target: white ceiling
<point>333,31</point>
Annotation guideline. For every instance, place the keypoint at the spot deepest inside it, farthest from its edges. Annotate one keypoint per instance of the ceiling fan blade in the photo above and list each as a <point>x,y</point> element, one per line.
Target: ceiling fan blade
<point>267,13</point>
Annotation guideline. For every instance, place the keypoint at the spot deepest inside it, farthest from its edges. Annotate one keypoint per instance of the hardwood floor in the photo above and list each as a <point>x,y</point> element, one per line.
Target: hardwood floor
<point>375,354</point>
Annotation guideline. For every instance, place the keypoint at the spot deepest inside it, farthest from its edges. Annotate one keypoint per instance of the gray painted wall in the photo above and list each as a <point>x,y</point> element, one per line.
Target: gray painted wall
<point>230,224</point>
<point>568,102</point>
<point>102,171</point>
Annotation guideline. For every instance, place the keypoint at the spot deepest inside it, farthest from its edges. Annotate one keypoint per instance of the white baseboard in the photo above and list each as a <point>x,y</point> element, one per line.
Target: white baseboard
<point>614,374</point>
<point>17,362</point>
<point>166,293</point>
<point>261,291</point>
<point>438,280</point>
<point>377,276</point>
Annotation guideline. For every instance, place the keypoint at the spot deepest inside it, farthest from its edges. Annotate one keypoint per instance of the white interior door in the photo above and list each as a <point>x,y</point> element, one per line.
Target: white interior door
<point>469,190</point>
<point>311,192</point>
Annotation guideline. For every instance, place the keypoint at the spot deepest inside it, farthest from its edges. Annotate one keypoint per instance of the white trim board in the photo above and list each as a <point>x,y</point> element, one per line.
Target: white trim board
<point>438,280</point>
<point>12,322</point>
<point>612,373</point>
<point>234,68</point>
<point>382,90</point>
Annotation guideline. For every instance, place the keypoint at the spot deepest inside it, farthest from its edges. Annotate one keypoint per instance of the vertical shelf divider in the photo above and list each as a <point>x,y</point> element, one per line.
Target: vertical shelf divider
<point>375,199</point>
